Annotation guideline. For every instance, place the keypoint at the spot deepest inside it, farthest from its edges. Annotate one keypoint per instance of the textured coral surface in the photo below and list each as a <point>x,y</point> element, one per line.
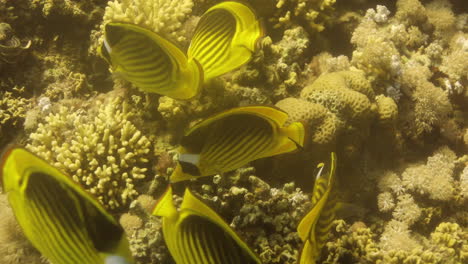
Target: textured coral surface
<point>381,83</point>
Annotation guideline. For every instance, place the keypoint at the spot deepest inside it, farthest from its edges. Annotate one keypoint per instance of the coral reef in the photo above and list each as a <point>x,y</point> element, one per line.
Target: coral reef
<point>10,46</point>
<point>356,243</point>
<point>164,17</point>
<point>101,149</point>
<point>14,247</point>
<point>13,109</point>
<point>381,83</point>
<point>277,68</point>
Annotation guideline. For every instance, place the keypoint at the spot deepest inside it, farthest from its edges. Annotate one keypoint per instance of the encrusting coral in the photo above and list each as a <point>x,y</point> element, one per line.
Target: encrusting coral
<point>322,125</point>
<point>101,149</point>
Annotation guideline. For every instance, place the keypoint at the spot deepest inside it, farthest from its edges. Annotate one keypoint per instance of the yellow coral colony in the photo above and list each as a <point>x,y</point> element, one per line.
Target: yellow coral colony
<point>196,234</point>
<point>314,227</point>
<point>230,139</point>
<point>59,218</point>
<point>150,62</point>
<point>225,38</point>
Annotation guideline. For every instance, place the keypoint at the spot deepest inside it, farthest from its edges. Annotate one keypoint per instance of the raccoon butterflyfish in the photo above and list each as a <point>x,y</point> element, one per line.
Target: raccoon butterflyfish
<point>225,38</point>
<point>60,219</point>
<point>197,235</point>
<point>230,139</point>
<point>150,62</point>
<point>315,226</point>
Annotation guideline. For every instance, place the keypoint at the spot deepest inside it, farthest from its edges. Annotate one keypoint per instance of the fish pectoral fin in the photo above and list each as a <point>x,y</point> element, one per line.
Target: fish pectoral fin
<point>165,206</point>
<point>295,132</point>
<point>290,140</point>
<point>179,175</point>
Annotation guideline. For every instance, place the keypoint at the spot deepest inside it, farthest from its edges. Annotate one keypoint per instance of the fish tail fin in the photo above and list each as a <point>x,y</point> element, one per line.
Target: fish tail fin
<point>235,29</point>
<point>165,206</point>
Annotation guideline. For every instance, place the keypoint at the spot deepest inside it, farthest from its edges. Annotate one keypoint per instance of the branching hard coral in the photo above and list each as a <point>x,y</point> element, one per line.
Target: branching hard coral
<point>13,109</point>
<point>265,217</point>
<point>145,235</point>
<point>161,16</point>
<point>279,66</point>
<point>313,14</point>
<point>100,149</point>
<point>418,51</point>
<point>352,244</point>
<point>82,11</point>
<point>216,96</point>
<point>63,78</point>
<point>450,242</point>
<point>357,244</point>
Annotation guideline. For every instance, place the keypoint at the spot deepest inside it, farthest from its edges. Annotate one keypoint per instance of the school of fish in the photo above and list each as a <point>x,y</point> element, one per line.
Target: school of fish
<point>68,226</point>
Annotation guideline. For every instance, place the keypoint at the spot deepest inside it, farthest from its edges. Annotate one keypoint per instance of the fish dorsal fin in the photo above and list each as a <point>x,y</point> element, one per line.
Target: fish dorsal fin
<point>150,62</point>
<point>41,185</point>
<point>266,112</point>
<point>322,188</point>
<point>193,205</point>
<point>22,163</point>
<point>225,38</point>
<point>165,206</point>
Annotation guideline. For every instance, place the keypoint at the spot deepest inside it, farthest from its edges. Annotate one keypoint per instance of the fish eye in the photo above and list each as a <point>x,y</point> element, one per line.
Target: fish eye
<point>189,168</point>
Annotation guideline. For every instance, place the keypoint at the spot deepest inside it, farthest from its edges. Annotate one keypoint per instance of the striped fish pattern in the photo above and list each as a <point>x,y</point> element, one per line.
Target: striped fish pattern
<point>315,226</point>
<point>60,220</point>
<point>150,62</point>
<point>233,138</point>
<point>197,235</point>
<point>225,38</point>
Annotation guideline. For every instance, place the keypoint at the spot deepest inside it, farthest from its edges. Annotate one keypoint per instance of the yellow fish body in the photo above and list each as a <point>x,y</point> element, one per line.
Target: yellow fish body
<point>233,138</point>
<point>150,62</point>
<point>225,38</point>
<point>59,218</point>
<point>315,226</point>
<point>197,235</point>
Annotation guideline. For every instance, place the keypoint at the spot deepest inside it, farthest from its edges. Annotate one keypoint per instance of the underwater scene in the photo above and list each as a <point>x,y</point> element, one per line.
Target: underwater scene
<point>215,132</point>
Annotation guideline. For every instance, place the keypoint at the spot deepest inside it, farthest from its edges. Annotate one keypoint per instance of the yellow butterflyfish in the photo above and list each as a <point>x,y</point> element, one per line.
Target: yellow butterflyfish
<point>225,38</point>
<point>150,62</point>
<point>197,235</point>
<point>60,219</point>
<point>315,226</point>
<point>231,139</point>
